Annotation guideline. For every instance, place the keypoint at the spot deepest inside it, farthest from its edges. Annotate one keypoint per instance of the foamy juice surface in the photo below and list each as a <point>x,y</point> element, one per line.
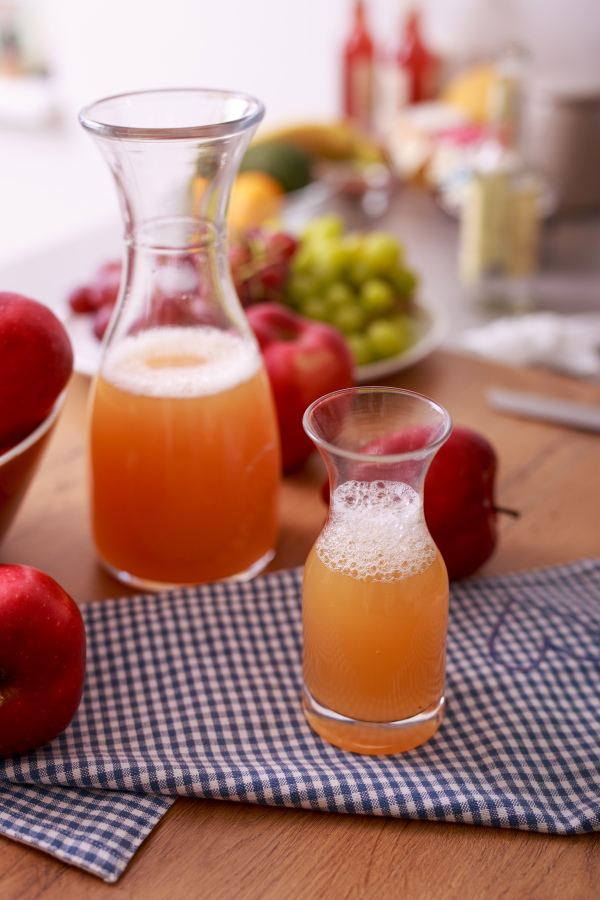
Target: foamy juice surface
<point>181,362</point>
<point>376,532</point>
<point>184,456</point>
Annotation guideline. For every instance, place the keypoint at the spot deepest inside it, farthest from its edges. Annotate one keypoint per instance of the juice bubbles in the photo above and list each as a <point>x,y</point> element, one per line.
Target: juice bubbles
<point>375,609</point>
<point>185,463</point>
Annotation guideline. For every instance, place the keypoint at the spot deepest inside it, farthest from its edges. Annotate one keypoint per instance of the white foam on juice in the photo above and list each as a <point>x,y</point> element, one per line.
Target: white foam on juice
<point>181,362</point>
<point>376,532</point>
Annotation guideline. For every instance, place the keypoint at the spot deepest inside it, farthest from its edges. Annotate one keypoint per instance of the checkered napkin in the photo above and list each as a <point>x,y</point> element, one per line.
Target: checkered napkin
<point>197,692</point>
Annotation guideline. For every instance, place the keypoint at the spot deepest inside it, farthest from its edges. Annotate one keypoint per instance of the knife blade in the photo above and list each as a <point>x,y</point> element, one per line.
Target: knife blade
<point>549,409</point>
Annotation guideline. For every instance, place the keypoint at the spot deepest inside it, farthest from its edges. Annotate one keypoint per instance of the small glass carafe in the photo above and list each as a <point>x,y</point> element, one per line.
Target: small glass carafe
<point>375,588</point>
<point>184,444</point>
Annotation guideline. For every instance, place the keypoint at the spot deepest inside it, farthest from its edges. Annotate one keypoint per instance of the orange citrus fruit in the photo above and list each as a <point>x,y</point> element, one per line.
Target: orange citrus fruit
<point>256,196</point>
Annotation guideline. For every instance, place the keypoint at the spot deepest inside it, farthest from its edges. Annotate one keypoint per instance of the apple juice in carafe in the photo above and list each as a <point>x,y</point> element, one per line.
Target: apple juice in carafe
<point>184,443</point>
<point>375,608</point>
<point>375,588</point>
<point>184,453</point>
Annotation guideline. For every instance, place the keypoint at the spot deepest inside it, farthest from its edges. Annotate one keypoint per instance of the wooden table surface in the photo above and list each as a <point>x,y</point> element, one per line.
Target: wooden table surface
<point>217,849</point>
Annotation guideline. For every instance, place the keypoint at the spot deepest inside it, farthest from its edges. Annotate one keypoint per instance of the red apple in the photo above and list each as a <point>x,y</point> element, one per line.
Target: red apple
<point>459,505</point>
<point>304,360</point>
<point>42,659</point>
<point>36,361</point>
<point>102,317</point>
<point>102,290</point>
<point>414,437</point>
<point>460,510</point>
<point>411,438</point>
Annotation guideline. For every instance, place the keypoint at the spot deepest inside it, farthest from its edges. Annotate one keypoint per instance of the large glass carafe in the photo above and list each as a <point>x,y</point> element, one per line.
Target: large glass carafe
<point>184,445</point>
<point>375,590</point>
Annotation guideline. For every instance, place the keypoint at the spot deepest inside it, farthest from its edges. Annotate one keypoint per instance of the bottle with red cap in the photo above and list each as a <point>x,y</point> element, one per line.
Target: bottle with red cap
<point>420,66</point>
<point>406,73</point>
<point>358,69</point>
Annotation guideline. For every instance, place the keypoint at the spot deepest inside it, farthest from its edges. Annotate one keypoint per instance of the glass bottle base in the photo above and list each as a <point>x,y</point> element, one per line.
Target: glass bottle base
<point>151,586</point>
<point>372,738</point>
<point>503,296</point>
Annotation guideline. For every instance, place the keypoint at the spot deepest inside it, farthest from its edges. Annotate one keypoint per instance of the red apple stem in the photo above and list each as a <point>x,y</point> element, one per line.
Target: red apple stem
<point>507,512</point>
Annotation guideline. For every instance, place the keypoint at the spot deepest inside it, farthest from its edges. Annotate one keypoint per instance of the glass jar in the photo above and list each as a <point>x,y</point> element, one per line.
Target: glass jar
<point>375,587</point>
<point>184,445</point>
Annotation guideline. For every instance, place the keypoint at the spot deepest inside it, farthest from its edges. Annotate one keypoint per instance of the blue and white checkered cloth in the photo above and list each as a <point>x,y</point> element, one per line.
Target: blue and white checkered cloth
<point>197,692</point>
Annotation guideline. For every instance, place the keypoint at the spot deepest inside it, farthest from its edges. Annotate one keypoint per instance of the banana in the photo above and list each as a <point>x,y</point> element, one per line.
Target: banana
<point>470,91</point>
<point>328,140</point>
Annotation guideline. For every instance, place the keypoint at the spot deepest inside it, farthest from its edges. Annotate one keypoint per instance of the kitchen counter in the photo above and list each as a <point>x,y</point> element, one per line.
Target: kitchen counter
<point>224,850</point>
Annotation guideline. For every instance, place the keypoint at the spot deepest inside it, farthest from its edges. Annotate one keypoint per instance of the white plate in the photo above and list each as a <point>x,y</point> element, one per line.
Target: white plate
<point>431,324</point>
<point>85,345</point>
<point>53,274</point>
<point>431,327</point>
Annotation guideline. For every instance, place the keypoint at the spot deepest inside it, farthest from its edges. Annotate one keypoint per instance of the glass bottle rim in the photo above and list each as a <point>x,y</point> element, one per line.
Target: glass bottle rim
<point>90,116</point>
<point>358,456</point>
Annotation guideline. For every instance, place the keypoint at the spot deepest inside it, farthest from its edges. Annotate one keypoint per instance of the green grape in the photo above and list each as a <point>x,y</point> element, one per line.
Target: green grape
<point>348,318</point>
<point>404,282</point>
<point>314,308</point>
<point>359,271</point>
<point>359,345</point>
<point>299,286</point>
<point>339,294</point>
<point>303,260</point>
<point>329,260</point>
<point>384,339</point>
<point>329,225</point>
<point>356,282</point>
<point>353,244</point>
<point>381,251</point>
<point>405,329</point>
<point>376,297</point>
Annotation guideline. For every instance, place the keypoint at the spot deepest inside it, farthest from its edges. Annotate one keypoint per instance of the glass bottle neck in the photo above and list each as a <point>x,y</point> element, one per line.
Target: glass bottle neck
<point>166,189</point>
<point>174,155</point>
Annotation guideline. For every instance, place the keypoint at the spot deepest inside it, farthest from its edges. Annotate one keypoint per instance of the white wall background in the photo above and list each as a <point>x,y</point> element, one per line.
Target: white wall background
<point>286,53</point>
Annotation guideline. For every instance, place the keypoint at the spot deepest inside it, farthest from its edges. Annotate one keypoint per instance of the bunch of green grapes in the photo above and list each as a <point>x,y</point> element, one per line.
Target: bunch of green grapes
<point>356,281</point>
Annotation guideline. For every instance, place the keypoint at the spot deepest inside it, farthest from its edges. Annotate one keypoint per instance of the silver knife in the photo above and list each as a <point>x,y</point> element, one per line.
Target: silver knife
<point>548,409</point>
